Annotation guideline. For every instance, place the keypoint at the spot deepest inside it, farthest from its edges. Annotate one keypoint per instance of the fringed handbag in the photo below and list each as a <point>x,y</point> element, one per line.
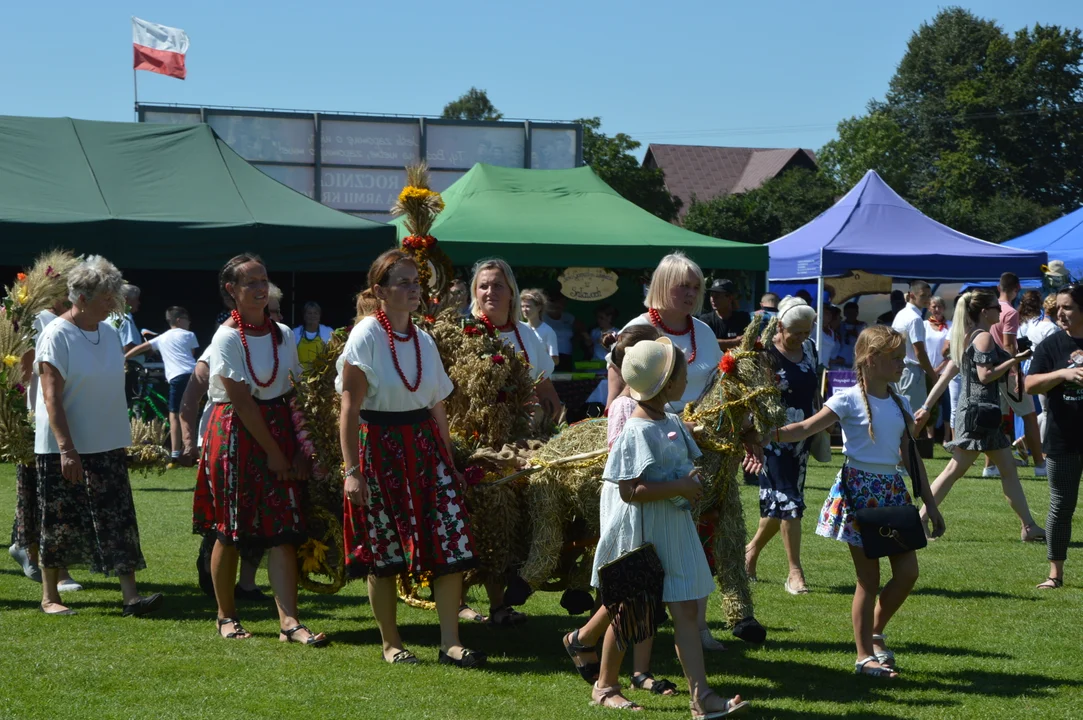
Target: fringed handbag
<point>631,591</point>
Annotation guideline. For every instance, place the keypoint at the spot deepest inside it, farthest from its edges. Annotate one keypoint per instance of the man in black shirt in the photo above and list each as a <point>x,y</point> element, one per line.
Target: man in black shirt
<point>727,322</point>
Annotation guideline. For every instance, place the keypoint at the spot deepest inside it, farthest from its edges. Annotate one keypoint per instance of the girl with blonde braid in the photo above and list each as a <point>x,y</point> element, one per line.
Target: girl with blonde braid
<point>874,423</point>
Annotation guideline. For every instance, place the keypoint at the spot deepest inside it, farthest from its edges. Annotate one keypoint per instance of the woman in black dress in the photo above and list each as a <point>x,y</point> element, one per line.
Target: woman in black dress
<point>782,482</point>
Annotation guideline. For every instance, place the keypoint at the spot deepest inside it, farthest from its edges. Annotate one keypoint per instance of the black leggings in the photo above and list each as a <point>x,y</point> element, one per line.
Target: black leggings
<point>1064,474</point>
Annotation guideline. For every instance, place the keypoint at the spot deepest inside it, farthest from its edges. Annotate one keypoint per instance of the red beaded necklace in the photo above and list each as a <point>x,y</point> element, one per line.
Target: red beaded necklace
<point>241,327</point>
<point>392,336</point>
<point>512,325</point>
<point>656,320</point>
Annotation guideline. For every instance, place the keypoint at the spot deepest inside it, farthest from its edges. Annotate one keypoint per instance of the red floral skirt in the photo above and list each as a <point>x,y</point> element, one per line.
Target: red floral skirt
<point>237,496</point>
<point>416,519</point>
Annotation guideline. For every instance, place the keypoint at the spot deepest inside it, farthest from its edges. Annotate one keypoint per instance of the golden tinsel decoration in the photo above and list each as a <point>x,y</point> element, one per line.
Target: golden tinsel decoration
<point>744,386</point>
<point>40,288</point>
<point>420,205</point>
<point>147,452</point>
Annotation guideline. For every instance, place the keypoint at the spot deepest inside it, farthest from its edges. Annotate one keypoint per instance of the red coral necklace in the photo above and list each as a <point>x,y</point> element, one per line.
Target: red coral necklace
<point>513,326</point>
<point>392,336</point>
<point>656,320</point>
<point>241,327</point>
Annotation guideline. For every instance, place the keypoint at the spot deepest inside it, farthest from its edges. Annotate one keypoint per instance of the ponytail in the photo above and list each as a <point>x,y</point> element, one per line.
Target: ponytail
<point>959,330</point>
<point>367,304</point>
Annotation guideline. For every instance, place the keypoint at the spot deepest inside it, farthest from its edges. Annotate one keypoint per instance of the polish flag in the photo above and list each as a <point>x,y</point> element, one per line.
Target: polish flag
<point>159,48</point>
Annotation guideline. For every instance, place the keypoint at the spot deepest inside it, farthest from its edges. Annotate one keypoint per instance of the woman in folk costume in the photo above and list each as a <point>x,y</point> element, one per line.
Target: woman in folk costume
<point>404,503</point>
<point>248,491</point>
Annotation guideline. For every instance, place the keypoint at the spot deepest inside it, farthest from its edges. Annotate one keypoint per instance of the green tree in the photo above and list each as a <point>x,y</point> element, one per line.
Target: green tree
<point>612,159</point>
<point>779,206</point>
<point>980,129</point>
<point>473,105</point>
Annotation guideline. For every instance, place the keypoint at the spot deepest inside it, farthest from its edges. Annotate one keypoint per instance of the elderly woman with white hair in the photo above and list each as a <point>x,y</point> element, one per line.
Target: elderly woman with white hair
<point>82,430</point>
<point>782,481</point>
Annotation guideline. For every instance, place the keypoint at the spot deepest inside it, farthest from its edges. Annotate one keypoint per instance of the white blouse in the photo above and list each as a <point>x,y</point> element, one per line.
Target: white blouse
<point>541,363</point>
<point>703,369</point>
<point>225,357</point>
<point>368,350</point>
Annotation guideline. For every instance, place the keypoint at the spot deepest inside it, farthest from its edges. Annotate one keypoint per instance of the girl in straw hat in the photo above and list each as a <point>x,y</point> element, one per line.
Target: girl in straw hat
<point>650,485</point>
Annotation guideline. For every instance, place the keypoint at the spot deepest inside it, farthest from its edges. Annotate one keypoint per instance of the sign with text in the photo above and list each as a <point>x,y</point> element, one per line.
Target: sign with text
<point>839,380</point>
<point>587,284</point>
<point>267,138</point>
<point>344,142</point>
<point>357,190</point>
<point>460,146</point>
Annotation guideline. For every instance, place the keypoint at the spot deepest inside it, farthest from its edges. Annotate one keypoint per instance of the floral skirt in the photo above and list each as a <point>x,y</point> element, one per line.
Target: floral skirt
<point>782,482</point>
<point>237,496</point>
<point>416,519</point>
<point>89,523</point>
<point>27,526</point>
<point>868,487</point>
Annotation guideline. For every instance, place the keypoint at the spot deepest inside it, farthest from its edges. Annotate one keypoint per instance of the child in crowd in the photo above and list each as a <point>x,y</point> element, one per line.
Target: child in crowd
<point>176,347</point>
<point>599,342</point>
<point>650,485</point>
<point>875,441</point>
<point>533,302</point>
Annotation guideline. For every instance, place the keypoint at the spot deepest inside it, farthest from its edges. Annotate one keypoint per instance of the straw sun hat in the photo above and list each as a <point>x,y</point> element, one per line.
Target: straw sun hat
<point>647,367</point>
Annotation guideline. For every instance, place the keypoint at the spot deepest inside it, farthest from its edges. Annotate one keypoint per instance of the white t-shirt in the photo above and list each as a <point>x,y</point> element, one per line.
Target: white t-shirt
<point>93,397</point>
<point>708,355</point>
<point>935,340</point>
<point>909,324</point>
<point>541,362</point>
<point>40,322</point>
<point>176,346</point>
<point>1040,330</point>
<point>367,349</point>
<point>225,357</point>
<point>888,425</point>
<point>205,418</point>
<point>549,337</point>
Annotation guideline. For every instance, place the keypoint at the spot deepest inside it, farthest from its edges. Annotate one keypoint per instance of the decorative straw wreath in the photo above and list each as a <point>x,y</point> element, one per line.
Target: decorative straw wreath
<point>420,204</point>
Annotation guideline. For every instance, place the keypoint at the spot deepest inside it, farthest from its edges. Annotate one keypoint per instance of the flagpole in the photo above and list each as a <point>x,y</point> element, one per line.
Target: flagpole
<point>135,85</point>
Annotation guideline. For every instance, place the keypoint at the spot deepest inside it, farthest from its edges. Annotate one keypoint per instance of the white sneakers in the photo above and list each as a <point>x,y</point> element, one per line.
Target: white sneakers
<point>1039,471</point>
<point>991,472</point>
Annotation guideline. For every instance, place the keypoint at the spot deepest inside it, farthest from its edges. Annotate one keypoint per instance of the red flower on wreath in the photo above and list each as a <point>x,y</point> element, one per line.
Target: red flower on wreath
<point>471,330</point>
<point>20,277</point>
<point>728,364</point>
<point>429,319</point>
<point>415,242</point>
<point>498,359</point>
<point>473,475</point>
<point>758,345</point>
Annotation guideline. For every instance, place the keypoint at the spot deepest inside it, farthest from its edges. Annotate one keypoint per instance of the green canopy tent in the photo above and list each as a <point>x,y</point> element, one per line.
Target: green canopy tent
<point>161,197</point>
<point>553,218</point>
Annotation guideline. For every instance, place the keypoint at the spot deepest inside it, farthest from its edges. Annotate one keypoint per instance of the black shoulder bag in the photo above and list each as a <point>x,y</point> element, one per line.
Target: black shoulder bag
<point>631,591</point>
<point>891,530</point>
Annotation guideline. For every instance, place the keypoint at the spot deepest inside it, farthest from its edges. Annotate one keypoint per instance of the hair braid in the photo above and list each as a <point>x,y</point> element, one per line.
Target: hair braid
<point>865,399</point>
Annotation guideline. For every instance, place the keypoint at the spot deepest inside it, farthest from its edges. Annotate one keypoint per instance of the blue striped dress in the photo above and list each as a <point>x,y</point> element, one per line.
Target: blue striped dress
<point>654,451</point>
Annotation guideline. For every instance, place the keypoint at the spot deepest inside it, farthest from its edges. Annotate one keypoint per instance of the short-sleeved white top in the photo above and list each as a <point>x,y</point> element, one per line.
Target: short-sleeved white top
<point>40,322</point>
<point>909,324</point>
<point>888,425</point>
<point>367,348</point>
<point>175,346</point>
<point>549,337</point>
<point>226,359</point>
<point>541,363</point>
<point>93,396</point>
<point>708,355</point>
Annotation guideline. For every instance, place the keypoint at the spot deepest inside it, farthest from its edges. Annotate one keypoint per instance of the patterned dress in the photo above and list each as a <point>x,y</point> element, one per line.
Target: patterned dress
<point>782,482</point>
<point>974,392</point>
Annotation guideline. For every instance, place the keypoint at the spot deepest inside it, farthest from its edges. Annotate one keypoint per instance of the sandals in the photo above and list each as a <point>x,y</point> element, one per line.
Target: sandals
<point>799,590</point>
<point>862,668</point>
<point>1032,533</point>
<point>470,659</point>
<point>506,616</point>
<point>587,670</point>
<point>658,687</point>
<point>475,617</point>
<point>65,611</point>
<point>1050,583</point>
<point>403,657</point>
<point>885,657</point>
<point>607,697</point>
<point>730,709</point>
<point>314,640</point>
<point>239,633</point>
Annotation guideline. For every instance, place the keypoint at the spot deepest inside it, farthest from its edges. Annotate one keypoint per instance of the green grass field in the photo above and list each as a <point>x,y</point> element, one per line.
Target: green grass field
<point>975,640</point>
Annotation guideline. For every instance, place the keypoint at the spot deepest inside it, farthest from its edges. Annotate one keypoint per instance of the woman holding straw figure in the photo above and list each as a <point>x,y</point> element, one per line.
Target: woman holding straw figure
<point>875,441</point>
<point>650,486</point>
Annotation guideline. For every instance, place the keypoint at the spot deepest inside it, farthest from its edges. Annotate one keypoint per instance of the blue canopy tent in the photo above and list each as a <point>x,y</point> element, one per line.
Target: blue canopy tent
<point>873,229</point>
<point>1061,240</point>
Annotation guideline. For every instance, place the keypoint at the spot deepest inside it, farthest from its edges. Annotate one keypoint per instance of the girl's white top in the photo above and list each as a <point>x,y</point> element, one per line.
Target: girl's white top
<point>888,425</point>
<point>226,359</point>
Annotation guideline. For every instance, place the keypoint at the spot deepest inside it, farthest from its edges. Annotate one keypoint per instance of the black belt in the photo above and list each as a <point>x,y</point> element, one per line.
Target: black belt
<point>409,417</point>
<point>280,400</point>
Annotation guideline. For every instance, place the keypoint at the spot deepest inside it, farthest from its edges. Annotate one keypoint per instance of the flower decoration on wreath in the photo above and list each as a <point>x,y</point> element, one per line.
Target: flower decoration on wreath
<point>420,205</point>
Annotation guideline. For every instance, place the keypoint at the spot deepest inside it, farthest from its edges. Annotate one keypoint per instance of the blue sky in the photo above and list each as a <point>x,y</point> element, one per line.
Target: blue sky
<point>764,73</point>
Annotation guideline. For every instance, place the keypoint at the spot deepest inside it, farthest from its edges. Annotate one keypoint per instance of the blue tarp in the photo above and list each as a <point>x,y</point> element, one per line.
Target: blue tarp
<point>875,230</point>
<point>1061,240</point>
